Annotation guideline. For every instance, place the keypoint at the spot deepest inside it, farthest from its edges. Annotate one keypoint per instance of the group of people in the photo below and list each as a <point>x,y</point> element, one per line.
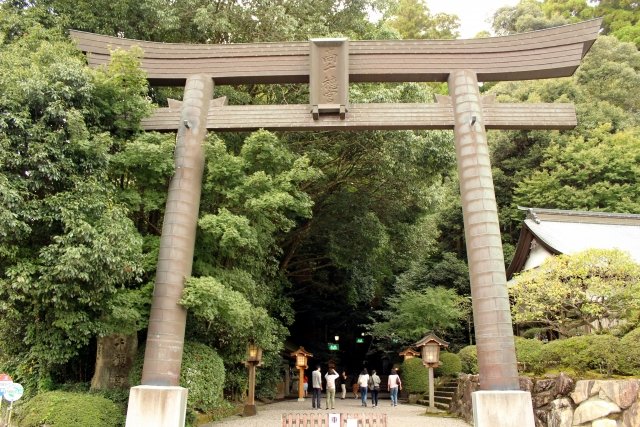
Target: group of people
<point>365,383</point>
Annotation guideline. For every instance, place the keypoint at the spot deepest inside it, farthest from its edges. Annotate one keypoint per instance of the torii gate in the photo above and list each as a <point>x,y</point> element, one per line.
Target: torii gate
<point>328,65</point>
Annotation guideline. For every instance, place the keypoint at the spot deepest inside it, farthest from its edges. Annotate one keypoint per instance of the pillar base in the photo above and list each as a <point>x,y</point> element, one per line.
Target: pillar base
<point>502,409</point>
<point>157,406</point>
<point>249,410</point>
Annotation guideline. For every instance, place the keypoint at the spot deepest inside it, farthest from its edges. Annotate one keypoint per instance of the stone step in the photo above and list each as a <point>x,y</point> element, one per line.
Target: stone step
<point>443,396</point>
<point>440,405</point>
<point>443,399</point>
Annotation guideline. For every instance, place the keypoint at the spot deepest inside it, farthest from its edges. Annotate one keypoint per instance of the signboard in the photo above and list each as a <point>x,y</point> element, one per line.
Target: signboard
<point>13,392</point>
<point>329,76</point>
<point>5,381</point>
<point>359,340</point>
<point>334,346</point>
<point>334,420</point>
<point>352,422</point>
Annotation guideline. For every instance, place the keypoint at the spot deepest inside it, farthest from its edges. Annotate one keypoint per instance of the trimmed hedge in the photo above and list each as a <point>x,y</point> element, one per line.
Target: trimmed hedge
<point>469,357</point>
<point>414,375</point>
<point>584,353</point>
<point>602,353</point>
<point>202,373</point>
<point>529,354</point>
<point>630,353</point>
<point>65,409</point>
<point>450,365</point>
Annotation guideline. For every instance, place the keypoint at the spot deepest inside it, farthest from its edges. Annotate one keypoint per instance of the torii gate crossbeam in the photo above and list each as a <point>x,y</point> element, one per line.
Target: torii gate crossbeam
<point>554,52</point>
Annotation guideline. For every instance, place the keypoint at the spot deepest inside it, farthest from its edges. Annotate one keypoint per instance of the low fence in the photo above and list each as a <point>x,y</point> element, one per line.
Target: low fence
<point>334,420</point>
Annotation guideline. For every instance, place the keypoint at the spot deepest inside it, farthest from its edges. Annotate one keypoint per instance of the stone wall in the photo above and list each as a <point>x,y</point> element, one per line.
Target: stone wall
<point>561,401</point>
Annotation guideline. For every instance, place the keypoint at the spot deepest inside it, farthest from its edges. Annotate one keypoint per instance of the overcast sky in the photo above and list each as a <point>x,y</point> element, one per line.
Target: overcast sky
<point>473,14</point>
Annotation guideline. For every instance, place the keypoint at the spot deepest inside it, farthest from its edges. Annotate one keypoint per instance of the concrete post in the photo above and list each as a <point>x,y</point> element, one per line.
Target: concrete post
<point>491,311</point>
<point>165,339</point>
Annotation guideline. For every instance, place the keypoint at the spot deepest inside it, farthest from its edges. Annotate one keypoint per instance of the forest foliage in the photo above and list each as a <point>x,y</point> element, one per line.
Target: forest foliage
<point>367,226</point>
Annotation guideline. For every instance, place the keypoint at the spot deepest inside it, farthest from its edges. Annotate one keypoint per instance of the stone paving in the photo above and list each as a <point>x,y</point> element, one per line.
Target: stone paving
<point>403,415</point>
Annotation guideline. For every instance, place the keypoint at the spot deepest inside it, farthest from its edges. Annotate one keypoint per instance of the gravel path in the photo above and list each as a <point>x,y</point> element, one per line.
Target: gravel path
<point>403,415</point>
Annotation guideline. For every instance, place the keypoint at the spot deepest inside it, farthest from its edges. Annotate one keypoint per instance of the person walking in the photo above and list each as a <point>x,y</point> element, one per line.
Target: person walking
<point>316,383</point>
<point>354,386</point>
<point>305,385</point>
<point>343,385</point>
<point>331,376</point>
<point>394,384</point>
<point>363,383</point>
<point>374,386</point>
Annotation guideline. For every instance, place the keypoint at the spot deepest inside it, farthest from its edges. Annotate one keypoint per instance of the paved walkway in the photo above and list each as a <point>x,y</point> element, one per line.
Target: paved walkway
<point>403,415</point>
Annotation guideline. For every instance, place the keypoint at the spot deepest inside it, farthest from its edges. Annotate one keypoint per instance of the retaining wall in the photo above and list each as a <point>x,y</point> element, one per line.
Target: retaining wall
<point>561,401</point>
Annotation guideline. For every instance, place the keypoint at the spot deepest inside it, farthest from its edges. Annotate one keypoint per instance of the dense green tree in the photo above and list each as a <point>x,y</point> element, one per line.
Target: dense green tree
<point>607,106</point>
<point>413,313</point>
<point>68,251</point>
<point>584,290</point>
<point>250,200</point>
<point>525,16</point>
<point>201,21</point>
<point>621,19</point>
<point>573,10</point>
<point>413,20</point>
<point>596,173</point>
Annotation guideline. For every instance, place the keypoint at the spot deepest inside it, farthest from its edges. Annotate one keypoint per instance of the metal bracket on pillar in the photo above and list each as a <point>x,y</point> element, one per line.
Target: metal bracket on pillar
<point>328,109</point>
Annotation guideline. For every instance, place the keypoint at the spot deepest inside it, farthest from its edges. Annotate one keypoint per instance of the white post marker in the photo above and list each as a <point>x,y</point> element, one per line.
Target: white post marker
<point>5,381</point>
<point>352,422</point>
<point>12,393</point>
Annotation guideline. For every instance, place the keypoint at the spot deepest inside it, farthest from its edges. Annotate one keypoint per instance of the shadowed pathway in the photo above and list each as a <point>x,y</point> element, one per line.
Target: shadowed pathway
<point>403,415</point>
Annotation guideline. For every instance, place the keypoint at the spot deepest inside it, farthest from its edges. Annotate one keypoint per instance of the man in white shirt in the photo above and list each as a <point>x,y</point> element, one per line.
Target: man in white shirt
<point>316,383</point>
<point>331,378</point>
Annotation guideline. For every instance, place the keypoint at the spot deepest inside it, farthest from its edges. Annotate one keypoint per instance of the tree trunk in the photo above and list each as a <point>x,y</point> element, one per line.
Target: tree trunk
<point>114,360</point>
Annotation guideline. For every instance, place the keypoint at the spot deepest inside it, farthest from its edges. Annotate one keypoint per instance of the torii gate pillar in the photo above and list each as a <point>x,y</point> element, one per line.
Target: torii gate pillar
<point>160,401</point>
<point>499,403</point>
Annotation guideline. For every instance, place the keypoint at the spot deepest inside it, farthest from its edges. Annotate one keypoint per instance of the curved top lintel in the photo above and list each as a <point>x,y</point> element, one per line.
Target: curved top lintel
<point>552,52</point>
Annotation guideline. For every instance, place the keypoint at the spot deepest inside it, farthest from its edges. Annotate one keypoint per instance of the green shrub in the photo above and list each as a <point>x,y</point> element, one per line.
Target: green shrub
<point>450,365</point>
<point>414,375</point>
<point>630,353</point>
<point>534,333</point>
<point>584,353</point>
<point>529,354</point>
<point>469,358</point>
<point>202,373</point>
<point>65,409</point>
<point>269,375</point>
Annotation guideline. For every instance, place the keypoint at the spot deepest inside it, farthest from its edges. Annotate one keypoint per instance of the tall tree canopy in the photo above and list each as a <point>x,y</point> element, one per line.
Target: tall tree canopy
<point>413,20</point>
<point>68,251</point>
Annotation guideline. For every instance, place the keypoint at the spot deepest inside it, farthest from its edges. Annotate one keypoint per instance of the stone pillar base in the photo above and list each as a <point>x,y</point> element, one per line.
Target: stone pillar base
<point>249,410</point>
<point>502,409</point>
<point>157,406</point>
